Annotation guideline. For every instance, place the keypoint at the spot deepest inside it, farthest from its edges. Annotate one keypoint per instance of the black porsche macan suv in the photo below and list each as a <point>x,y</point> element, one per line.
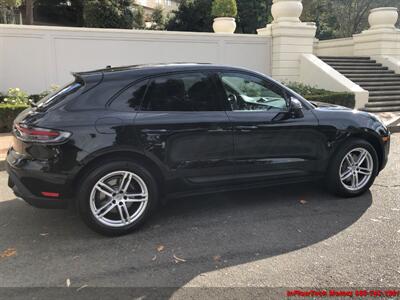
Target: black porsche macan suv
<point>116,141</point>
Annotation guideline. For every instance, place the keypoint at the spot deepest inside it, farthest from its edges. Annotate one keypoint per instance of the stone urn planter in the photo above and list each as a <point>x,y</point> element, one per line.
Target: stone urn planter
<point>287,10</point>
<point>224,25</point>
<point>383,17</point>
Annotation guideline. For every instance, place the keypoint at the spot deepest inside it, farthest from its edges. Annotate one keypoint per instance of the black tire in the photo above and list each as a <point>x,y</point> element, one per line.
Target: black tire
<point>98,173</point>
<point>333,181</point>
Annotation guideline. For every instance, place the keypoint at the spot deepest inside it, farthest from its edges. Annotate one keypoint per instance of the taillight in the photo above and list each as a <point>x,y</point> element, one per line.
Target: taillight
<point>40,135</point>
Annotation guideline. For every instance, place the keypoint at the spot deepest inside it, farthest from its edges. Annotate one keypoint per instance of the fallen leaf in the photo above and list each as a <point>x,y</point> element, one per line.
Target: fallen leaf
<point>178,259</point>
<point>160,248</point>
<point>154,258</point>
<point>217,257</point>
<point>303,201</point>
<point>68,282</point>
<point>8,253</point>
<point>82,287</point>
<point>375,220</point>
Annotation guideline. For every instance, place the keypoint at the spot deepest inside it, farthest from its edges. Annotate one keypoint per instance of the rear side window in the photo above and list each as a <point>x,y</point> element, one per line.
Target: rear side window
<point>131,98</point>
<point>182,92</point>
<point>58,96</point>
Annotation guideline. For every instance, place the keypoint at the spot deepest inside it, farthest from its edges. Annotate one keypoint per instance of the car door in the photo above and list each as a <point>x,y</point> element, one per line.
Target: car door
<point>183,126</point>
<point>269,141</point>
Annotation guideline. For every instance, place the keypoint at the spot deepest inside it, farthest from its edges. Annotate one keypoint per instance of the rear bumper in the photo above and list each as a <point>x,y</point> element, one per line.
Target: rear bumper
<point>20,189</point>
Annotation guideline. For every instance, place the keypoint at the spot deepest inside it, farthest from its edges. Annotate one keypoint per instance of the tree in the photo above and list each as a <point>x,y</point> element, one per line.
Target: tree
<point>29,12</point>
<point>59,12</point>
<point>108,13</point>
<point>341,18</point>
<point>252,15</point>
<point>224,8</point>
<point>192,15</point>
<point>320,12</point>
<point>138,18</point>
<point>158,19</point>
<point>7,10</point>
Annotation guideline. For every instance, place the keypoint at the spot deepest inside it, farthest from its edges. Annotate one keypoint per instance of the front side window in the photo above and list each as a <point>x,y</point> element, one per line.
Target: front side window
<point>181,92</point>
<point>249,93</point>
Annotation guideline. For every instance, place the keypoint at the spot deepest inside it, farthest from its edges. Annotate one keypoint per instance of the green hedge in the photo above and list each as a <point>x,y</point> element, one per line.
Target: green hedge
<point>343,99</point>
<point>320,95</point>
<point>8,112</point>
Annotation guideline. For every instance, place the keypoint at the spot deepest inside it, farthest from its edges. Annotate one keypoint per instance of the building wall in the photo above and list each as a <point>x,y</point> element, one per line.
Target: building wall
<point>35,57</point>
<point>167,5</point>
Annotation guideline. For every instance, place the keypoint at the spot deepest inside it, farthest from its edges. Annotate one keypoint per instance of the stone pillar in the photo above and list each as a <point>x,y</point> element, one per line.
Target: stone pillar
<point>382,39</point>
<point>290,39</point>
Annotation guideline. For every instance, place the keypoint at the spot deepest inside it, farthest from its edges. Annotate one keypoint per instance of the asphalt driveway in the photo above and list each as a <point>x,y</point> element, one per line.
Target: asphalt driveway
<point>279,237</point>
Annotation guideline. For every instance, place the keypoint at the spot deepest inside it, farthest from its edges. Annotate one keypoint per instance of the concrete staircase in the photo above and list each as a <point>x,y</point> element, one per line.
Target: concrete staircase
<point>383,85</point>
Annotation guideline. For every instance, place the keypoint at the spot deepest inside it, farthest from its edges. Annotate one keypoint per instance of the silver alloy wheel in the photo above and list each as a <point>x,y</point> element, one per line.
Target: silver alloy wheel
<point>119,198</point>
<point>356,169</point>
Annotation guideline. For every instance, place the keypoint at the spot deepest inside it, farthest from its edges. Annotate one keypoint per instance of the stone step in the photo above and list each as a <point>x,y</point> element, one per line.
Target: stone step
<point>382,109</point>
<point>382,88</point>
<point>361,68</point>
<point>383,104</point>
<point>347,63</point>
<point>378,80</point>
<point>373,76</point>
<point>345,57</point>
<point>382,98</point>
<point>384,93</point>
<point>356,72</point>
<point>378,85</point>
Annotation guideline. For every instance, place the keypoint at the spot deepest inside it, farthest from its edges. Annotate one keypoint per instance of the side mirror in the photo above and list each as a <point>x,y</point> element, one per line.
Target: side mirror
<point>232,99</point>
<point>296,108</point>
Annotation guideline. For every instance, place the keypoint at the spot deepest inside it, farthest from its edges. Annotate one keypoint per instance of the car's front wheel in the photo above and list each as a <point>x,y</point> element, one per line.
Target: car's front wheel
<point>117,197</point>
<point>353,169</point>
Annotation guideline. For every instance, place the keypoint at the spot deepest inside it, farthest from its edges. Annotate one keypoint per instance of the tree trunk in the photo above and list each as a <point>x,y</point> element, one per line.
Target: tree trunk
<point>29,12</point>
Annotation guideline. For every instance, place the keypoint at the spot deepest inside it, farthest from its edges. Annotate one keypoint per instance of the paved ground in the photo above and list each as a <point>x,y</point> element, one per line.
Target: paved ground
<point>266,237</point>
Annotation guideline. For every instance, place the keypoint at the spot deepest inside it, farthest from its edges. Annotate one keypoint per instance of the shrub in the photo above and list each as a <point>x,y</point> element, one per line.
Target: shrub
<point>158,19</point>
<point>224,8</point>
<point>36,97</point>
<point>15,96</point>
<point>138,18</point>
<point>8,112</point>
<point>108,14</point>
<point>321,95</point>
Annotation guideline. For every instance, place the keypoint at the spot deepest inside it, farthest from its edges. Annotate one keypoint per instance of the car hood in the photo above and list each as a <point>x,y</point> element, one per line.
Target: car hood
<point>328,106</point>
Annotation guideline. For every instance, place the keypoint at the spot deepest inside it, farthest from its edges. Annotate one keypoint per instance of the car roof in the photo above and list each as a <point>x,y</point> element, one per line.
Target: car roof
<point>156,68</point>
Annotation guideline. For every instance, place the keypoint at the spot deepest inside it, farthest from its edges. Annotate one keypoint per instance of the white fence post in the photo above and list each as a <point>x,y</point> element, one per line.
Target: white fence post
<point>290,39</point>
<point>382,38</point>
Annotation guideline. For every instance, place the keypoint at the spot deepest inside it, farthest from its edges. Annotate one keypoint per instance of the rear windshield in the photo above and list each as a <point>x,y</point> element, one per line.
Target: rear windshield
<point>58,96</point>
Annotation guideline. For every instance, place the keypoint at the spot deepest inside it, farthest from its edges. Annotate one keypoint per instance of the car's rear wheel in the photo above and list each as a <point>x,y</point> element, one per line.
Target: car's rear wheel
<point>353,169</point>
<point>117,197</point>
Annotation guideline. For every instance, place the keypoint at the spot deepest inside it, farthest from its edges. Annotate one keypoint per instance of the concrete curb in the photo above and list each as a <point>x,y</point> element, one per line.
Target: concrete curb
<point>394,126</point>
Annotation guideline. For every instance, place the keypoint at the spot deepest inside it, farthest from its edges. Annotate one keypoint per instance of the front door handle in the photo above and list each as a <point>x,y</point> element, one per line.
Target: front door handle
<point>250,127</point>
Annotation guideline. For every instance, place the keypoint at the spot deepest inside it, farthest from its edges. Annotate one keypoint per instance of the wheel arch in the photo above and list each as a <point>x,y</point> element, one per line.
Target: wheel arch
<point>373,140</point>
<point>118,155</point>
